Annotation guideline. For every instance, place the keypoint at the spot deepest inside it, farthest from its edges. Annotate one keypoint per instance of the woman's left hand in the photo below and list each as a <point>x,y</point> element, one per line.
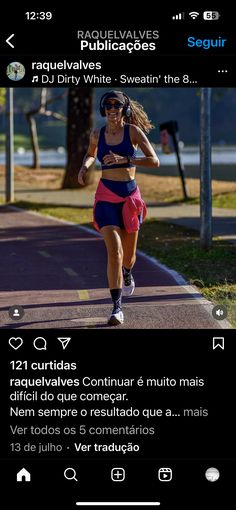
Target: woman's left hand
<point>112,159</point>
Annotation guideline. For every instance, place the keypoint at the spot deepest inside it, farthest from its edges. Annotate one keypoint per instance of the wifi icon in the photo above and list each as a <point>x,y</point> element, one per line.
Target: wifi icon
<point>194,14</point>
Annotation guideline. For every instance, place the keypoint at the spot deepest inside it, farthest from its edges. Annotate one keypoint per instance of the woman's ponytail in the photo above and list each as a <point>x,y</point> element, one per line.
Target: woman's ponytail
<point>138,117</point>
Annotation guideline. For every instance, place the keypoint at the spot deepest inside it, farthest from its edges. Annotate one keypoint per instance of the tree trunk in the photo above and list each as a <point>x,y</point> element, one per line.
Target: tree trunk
<point>42,109</point>
<point>34,140</point>
<point>80,123</point>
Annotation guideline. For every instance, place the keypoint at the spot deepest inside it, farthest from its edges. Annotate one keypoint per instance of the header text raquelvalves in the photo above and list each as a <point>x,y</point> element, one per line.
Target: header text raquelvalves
<point>118,40</point>
<point>118,34</point>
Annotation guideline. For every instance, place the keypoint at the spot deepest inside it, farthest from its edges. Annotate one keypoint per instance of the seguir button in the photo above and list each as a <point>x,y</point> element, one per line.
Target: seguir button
<point>206,44</point>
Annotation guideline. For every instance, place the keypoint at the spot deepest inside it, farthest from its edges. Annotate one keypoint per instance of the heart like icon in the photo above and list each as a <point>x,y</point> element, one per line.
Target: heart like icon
<point>15,342</point>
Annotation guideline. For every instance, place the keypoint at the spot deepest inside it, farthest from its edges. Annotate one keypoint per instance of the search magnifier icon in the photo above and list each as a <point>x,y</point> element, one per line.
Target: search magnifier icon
<point>70,474</point>
<point>40,343</point>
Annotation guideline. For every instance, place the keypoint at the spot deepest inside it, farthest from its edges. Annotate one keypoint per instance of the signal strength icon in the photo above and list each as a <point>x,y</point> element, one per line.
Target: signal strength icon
<point>178,16</point>
<point>194,14</point>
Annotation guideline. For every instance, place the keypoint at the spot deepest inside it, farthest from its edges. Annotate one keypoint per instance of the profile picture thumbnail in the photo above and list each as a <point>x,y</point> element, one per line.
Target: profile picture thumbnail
<point>15,71</point>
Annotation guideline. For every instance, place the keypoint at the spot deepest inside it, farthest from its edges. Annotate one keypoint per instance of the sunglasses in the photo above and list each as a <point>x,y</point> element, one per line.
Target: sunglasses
<point>117,106</point>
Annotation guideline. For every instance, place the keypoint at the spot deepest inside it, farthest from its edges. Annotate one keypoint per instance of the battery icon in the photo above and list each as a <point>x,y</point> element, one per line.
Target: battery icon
<point>211,15</point>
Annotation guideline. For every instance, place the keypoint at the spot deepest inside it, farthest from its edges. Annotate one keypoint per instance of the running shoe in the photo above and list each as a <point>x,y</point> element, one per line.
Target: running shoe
<point>116,318</point>
<point>128,284</point>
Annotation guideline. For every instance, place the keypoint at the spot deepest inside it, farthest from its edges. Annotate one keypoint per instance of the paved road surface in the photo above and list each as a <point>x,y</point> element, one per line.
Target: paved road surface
<point>57,272</point>
<point>223,221</point>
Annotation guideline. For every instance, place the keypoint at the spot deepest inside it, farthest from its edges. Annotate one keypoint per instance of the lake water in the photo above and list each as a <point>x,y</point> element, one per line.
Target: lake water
<point>54,158</point>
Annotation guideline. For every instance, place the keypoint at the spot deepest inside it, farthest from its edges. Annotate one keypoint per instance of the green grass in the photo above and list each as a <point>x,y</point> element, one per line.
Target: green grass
<point>227,200</point>
<point>212,271</point>
<point>19,141</point>
<point>79,215</point>
<point>224,200</point>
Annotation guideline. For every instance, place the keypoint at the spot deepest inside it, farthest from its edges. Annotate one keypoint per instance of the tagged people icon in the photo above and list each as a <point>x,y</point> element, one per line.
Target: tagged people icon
<point>15,71</point>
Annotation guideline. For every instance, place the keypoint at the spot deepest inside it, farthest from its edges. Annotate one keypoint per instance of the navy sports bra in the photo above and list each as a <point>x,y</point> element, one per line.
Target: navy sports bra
<point>125,148</point>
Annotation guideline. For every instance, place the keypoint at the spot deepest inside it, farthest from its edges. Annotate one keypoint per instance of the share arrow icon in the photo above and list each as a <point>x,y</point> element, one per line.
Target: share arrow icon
<point>64,341</point>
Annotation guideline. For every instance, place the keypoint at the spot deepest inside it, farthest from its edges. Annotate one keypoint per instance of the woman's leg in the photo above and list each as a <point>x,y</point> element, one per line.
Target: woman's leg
<point>129,243</point>
<point>111,236</point>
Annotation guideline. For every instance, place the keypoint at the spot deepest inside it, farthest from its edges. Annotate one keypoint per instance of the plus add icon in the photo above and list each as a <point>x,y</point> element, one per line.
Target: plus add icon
<point>118,474</point>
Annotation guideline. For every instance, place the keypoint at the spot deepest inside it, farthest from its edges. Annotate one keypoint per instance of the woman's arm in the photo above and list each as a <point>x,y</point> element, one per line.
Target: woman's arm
<point>89,157</point>
<point>150,158</point>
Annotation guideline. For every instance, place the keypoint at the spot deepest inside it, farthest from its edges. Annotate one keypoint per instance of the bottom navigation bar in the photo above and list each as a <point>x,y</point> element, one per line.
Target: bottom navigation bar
<point>117,503</point>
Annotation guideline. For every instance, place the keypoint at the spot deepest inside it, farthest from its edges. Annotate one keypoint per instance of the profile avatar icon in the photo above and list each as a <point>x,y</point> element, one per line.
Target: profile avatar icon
<point>15,71</point>
<point>16,312</point>
<point>212,474</point>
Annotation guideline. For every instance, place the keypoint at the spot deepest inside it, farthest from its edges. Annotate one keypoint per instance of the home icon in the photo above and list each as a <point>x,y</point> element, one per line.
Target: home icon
<point>23,476</point>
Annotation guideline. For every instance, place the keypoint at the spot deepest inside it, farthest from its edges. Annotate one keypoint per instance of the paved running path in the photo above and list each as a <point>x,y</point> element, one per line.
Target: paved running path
<point>187,215</point>
<point>57,272</point>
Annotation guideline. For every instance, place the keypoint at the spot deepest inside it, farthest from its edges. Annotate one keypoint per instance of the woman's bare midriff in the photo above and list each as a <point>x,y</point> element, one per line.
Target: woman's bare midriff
<point>119,174</point>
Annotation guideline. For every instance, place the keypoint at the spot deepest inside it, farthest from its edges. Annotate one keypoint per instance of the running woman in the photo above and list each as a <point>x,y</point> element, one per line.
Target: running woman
<point>119,208</point>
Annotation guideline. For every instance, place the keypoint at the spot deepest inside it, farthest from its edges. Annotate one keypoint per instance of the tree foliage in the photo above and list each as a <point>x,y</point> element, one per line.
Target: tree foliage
<point>2,96</point>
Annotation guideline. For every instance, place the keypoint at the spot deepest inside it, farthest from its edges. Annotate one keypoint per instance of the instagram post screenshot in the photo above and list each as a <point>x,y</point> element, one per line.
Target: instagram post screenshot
<point>118,258</point>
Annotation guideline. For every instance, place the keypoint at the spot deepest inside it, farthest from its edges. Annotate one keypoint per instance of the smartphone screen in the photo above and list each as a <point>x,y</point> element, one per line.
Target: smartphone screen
<point>117,275</point>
